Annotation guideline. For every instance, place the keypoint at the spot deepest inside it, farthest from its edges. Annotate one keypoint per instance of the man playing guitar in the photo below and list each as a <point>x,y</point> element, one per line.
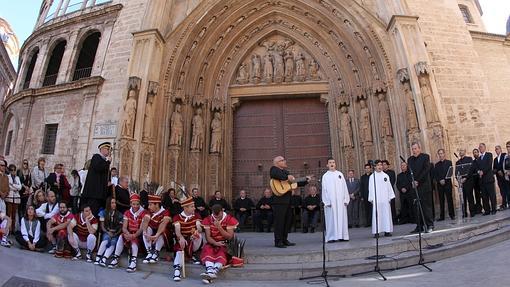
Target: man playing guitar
<point>281,204</point>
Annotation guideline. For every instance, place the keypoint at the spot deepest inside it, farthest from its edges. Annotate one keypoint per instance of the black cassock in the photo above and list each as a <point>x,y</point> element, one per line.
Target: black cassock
<point>96,184</point>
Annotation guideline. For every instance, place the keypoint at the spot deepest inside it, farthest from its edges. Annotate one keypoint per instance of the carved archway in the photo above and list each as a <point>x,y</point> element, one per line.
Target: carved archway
<point>202,70</point>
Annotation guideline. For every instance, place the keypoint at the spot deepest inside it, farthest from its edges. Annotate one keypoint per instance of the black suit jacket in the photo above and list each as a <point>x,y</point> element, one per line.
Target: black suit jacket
<point>499,165</point>
<point>96,184</point>
<point>485,165</point>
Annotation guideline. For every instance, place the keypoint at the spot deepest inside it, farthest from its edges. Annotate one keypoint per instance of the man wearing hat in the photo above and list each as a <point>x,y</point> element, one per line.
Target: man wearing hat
<point>187,233</point>
<point>96,185</point>
<point>131,230</point>
<point>155,231</point>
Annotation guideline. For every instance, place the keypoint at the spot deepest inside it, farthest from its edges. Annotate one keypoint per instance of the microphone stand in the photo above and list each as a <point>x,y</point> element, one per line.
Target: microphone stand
<point>324,275</point>
<point>377,268</point>
<point>421,218</point>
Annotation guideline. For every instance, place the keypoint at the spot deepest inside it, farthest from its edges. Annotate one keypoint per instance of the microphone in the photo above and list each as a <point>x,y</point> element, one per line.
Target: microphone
<point>455,155</point>
<point>402,159</point>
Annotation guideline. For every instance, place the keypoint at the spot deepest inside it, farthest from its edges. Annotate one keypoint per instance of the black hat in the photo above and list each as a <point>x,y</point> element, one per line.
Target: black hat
<point>105,144</point>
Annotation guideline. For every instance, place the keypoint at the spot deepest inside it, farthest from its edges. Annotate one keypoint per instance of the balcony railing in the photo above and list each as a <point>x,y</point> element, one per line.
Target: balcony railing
<point>50,80</point>
<point>82,73</point>
<point>26,85</point>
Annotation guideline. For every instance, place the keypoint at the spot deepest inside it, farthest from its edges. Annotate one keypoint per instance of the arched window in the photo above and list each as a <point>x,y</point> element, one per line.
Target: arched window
<point>50,78</point>
<point>466,14</point>
<point>86,58</point>
<point>30,69</point>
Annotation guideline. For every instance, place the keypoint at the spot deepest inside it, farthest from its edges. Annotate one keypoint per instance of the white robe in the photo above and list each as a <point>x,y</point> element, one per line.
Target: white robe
<point>385,194</point>
<point>335,195</point>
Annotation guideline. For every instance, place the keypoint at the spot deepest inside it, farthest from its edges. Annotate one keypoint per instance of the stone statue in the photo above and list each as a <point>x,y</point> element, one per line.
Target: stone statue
<point>289,66</point>
<point>242,74</point>
<point>428,101</point>
<point>148,119</point>
<point>197,137</point>
<point>200,86</point>
<point>300,67</point>
<point>268,68</point>
<point>216,133</point>
<point>255,68</point>
<point>182,77</point>
<point>384,114</point>
<point>130,111</point>
<point>346,127</point>
<point>279,67</point>
<point>176,127</point>
<point>375,74</point>
<point>412,121</point>
<point>365,125</point>
<point>313,70</point>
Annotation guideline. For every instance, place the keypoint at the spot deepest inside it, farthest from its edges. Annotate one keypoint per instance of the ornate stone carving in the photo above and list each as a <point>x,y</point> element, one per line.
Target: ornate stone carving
<point>148,118</point>
<point>436,138</point>
<point>197,138</point>
<point>313,70</point>
<point>385,116</point>
<point>268,68</point>
<point>364,122</point>
<point>422,68</point>
<point>242,74</point>
<point>428,101</point>
<point>289,66</point>
<point>126,158</point>
<point>300,67</point>
<point>176,127</point>
<point>403,75</point>
<point>412,120</point>
<point>128,127</point>
<point>255,68</point>
<point>279,66</point>
<point>346,128</point>
<point>216,133</point>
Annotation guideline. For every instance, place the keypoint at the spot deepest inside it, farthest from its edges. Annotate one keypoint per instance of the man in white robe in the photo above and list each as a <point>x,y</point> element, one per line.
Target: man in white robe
<point>335,197</point>
<point>382,189</point>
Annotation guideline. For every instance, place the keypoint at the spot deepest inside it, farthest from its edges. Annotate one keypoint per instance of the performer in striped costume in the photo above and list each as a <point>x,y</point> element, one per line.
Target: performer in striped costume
<point>84,235</point>
<point>57,231</point>
<point>131,230</point>
<point>155,228</point>
<point>219,227</point>
<point>188,238</point>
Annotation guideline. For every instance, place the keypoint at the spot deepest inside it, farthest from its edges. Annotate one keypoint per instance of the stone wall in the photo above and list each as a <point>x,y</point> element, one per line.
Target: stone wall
<point>458,74</point>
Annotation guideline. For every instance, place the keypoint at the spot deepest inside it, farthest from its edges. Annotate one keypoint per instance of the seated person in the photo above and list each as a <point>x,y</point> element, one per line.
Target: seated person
<point>131,230</point>
<point>47,210</point>
<point>82,233</point>
<point>264,211</point>
<point>296,203</point>
<point>122,194</point>
<point>29,237</point>
<point>200,205</point>
<point>155,231</point>
<point>187,234</point>
<point>242,207</point>
<point>57,232</point>
<point>218,199</point>
<point>311,209</point>
<point>111,225</point>
<point>219,228</point>
<point>171,202</point>
<point>5,224</point>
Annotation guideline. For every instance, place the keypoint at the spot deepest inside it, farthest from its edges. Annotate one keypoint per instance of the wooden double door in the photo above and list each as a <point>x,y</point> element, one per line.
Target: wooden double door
<point>296,128</point>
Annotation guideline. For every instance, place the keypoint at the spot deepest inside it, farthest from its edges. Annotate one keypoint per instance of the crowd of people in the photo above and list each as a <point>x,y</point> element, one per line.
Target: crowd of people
<point>95,211</point>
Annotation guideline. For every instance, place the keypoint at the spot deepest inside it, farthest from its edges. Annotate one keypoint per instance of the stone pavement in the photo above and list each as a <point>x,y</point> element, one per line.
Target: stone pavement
<point>485,267</point>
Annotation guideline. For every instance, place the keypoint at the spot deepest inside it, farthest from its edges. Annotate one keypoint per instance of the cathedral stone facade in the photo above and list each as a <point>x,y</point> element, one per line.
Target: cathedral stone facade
<point>206,93</point>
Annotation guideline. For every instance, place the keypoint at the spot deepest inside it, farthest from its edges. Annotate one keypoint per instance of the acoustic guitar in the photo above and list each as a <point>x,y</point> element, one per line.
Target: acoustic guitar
<point>281,187</point>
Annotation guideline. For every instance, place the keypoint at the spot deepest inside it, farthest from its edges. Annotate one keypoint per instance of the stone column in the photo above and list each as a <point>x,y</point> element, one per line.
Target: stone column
<point>65,73</point>
<point>39,68</point>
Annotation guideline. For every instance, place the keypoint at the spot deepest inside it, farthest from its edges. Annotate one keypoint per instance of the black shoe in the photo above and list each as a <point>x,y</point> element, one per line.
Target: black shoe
<point>280,245</point>
<point>331,241</point>
<point>441,219</point>
<point>452,217</point>
<point>305,230</point>
<point>288,243</point>
<point>387,234</point>
<point>312,230</point>
<point>376,235</point>
<point>493,212</point>
<point>486,213</point>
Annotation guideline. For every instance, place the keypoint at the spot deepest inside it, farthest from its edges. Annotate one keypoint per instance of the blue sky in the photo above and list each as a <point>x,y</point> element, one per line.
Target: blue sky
<point>22,14</point>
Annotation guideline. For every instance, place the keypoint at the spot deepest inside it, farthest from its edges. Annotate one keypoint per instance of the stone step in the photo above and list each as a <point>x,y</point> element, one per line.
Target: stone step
<point>401,252</point>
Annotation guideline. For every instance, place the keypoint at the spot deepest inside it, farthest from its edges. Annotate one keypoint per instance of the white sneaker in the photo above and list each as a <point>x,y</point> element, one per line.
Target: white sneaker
<point>114,263</point>
<point>98,260</point>
<point>155,257</point>
<point>132,265</point>
<point>147,258</point>
<point>5,243</point>
<point>53,250</point>
<point>102,263</point>
<point>88,256</point>
<point>177,272</point>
